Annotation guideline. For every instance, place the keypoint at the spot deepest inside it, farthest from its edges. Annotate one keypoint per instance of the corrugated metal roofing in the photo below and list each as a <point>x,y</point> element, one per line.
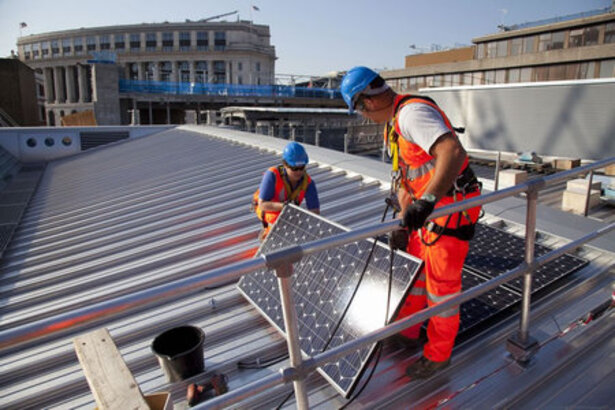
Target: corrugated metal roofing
<point>138,213</point>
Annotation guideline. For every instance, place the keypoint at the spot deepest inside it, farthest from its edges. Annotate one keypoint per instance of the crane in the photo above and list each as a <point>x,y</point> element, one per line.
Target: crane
<point>218,16</point>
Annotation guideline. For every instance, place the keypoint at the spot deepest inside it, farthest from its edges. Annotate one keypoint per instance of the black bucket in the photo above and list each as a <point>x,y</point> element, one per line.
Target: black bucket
<point>180,352</point>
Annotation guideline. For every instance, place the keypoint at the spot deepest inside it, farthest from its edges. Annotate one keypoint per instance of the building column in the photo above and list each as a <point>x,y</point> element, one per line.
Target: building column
<point>174,71</point>
<point>140,75</point>
<point>229,72</point>
<point>49,94</point>
<point>70,84</point>
<point>157,71</point>
<point>58,85</point>
<point>192,71</point>
<point>81,83</point>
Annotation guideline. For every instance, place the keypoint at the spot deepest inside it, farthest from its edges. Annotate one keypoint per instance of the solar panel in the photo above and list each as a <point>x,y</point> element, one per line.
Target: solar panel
<point>484,307</point>
<point>493,252</point>
<point>334,304</point>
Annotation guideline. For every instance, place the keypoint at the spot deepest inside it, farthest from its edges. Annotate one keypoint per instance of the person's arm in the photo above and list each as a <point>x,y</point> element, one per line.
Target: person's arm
<point>266,192</point>
<point>449,155</point>
<point>311,198</point>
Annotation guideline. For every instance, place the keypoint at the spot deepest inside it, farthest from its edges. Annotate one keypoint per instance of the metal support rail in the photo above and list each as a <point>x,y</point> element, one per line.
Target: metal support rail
<point>521,345</point>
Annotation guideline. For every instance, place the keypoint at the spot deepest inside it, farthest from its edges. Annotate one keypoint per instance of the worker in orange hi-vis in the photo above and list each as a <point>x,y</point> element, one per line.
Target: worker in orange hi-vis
<point>286,183</point>
<point>431,170</point>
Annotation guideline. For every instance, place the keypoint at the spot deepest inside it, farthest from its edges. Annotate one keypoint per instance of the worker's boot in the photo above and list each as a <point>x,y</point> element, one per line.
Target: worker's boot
<point>424,368</point>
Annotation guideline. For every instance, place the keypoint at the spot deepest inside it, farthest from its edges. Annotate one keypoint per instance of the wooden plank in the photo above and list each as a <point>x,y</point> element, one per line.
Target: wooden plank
<point>110,380</point>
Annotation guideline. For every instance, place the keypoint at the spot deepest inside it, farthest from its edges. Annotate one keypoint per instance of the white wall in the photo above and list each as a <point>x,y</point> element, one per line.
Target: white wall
<point>569,118</point>
<point>57,142</point>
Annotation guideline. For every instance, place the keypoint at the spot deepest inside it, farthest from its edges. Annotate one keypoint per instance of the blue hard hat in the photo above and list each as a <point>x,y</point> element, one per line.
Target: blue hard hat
<point>294,155</point>
<point>354,82</point>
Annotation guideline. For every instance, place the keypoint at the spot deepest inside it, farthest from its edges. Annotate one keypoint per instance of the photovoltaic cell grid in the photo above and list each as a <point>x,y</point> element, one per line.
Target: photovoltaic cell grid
<point>323,286</point>
<point>478,310</point>
<point>494,252</point>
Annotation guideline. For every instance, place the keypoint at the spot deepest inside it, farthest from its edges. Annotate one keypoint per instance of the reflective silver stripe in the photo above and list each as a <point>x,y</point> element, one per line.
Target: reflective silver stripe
<point>422,170</point>
<point>437,299</point>
<point>420,291</point>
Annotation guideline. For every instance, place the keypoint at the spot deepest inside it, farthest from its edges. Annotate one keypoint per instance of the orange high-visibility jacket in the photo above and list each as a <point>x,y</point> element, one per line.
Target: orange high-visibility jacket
<point>282,194</point>
<point>417,166</point>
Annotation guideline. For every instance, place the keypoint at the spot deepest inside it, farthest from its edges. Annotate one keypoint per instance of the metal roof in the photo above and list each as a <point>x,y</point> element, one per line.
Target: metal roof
<point>138,213</point>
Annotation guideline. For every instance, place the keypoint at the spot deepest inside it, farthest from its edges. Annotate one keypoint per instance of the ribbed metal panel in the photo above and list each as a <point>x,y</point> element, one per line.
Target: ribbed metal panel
<point>129,216</point>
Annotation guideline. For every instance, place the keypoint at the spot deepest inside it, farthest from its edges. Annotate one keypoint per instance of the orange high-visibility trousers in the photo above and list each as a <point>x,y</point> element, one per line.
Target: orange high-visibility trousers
<point>439,279</point>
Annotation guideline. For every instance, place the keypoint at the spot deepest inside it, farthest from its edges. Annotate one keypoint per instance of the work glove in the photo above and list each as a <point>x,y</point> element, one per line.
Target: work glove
<point>398,239</point>
<point>416,214</point>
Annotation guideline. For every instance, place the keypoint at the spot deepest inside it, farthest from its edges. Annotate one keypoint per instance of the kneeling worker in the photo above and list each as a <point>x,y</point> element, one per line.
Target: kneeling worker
<point>431,170</point>
<point>284,184</point>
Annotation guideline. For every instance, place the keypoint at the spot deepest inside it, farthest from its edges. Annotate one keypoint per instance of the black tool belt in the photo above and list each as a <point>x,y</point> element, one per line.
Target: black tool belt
<point>463,232</point>
<point>465,183</point>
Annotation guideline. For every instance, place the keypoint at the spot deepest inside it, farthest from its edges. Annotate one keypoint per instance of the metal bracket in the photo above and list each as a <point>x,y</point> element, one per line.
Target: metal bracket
<point>522,351</point>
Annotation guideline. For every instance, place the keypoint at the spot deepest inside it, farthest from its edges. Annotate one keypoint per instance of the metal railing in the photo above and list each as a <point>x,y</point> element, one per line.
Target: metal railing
<point>521,344</point>
<point>225,90</point>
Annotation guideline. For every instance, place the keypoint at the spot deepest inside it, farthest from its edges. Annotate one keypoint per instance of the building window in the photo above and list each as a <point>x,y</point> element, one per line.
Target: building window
<point>478,78</point>
<point>36,50</point>
<point>135,41</point>
<point>258,66</point>
<point>514,75</point>
<point>66,48</point>
<point>219,69</point>
<point>587,70</point>
<point>150,41</point>
<point>480,51</point>
<point>607,69</point>
<point>167,41</point>
<point>219,40</point>
<point>500,76</point>
<point>491,49</point>
<point>105,42</point>
<point>184,40</point>
<point>576,38</point>
<point>516,46</point>
<point>200,72</point>
<point>239,80</point>
<point>541,73</point>
<point>90,43</point>
<point>119,42</point>
<point>45,49</point>
<point>55,48</point>
<point>149,71</point>
<point>202,40</point>
<point>502,48</point>
<point>133,71</point>
<point>590,36</point>
<point>609,33</point>
<point>528,44</point>
<point>544,42</point>
<point>239,66</point>
<point>184,71</point>
<point>490,77</point>
<point>557,72</point>
<point>165,71</point>
<point>525,76</point>
<point>27,51</point>
<point>557,40</point>
<point>78,45</point>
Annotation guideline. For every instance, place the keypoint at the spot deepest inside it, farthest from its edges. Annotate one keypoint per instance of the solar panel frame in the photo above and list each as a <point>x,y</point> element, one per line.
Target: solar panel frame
<point>325,324</point>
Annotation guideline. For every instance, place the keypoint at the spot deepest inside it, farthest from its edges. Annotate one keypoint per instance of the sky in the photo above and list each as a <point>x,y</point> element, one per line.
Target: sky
<point>311,37</point>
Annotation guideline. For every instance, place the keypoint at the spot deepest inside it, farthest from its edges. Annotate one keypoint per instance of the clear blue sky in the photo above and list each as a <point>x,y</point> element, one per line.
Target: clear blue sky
<point>310,36</point>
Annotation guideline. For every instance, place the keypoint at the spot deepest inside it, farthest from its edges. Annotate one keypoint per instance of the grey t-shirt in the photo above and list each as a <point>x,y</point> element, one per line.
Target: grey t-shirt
<point>421,124</point>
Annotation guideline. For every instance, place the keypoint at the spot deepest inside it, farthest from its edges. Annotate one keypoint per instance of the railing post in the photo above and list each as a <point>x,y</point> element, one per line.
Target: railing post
<point>588,194</point>
<point>317,137</point>
<point>521,345</point>
<point>497,171</point>
<point>346,143</point>
<point>284,273</point>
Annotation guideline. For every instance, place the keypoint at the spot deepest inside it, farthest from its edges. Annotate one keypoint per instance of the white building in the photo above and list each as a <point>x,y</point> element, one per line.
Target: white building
<point>196,52</point>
